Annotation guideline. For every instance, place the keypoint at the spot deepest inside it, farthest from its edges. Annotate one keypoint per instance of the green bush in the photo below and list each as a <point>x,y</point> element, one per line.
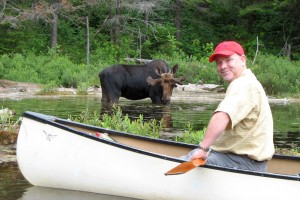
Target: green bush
<point>19,68</point>
<point>44,69</point>
<point>194,70</point>
<point>278,75</point>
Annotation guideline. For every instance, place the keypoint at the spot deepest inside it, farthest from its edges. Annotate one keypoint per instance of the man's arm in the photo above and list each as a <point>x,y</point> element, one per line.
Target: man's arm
<point>216,126</point>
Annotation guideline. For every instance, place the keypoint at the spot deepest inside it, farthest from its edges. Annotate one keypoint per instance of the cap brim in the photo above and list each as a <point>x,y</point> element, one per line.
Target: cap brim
<point>223,53</point>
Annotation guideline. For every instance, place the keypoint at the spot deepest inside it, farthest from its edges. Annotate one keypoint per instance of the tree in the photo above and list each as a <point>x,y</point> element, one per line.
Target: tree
<point>14,13</point>
<point>130,17</point>
<point>279,18</point>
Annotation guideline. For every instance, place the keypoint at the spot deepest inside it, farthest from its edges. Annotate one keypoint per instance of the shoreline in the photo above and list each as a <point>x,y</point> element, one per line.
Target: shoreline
<point>189,92</point>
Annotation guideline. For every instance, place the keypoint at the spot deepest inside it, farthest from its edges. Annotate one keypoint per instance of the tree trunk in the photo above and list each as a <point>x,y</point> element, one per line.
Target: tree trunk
<point>103,24</point>
<point>289,51</point>
<point>54,30</point>
<point>117,24</point>
<point>87,41</point>
<point>177,20</point>
<point>146,19</point>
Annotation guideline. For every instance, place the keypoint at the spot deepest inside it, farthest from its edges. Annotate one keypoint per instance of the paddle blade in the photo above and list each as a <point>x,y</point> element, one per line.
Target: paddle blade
<point>185,167</point>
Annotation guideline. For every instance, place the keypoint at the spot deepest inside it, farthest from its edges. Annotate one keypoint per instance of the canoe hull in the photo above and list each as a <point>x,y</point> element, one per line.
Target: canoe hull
<point>53,157</point>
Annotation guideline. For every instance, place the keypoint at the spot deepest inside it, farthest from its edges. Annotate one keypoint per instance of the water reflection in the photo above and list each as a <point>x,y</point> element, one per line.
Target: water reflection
<point>175,116</point>
<point>38,193</point>
<point>12,182</point>
<point>147,110</point>
<point>290,139</point>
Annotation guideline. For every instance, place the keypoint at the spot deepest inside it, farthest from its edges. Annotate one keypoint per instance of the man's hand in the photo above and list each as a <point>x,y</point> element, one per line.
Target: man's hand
<point>200,154</point>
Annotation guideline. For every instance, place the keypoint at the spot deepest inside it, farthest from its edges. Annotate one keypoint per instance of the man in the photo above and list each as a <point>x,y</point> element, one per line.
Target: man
<point>240,132</point>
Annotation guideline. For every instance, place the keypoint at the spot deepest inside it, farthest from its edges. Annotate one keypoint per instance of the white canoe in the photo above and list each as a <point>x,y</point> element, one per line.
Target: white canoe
<point>57,153</point>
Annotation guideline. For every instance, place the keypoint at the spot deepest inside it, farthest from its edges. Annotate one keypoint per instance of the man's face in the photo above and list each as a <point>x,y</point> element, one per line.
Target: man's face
<point>230,67</point>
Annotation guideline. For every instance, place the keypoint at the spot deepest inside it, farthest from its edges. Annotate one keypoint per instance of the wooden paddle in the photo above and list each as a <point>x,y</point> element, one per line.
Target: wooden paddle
<point>185,167</point>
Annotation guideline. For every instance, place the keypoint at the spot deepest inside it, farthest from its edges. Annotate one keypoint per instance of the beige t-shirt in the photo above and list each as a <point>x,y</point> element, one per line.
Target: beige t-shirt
<point>251,130</point>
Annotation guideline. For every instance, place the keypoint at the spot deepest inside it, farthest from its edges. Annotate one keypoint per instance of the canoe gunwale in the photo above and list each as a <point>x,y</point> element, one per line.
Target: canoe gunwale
<point>63,124</point>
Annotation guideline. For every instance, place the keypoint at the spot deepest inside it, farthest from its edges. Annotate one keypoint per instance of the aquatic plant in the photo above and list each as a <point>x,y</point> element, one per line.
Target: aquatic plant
<point>118,121</point>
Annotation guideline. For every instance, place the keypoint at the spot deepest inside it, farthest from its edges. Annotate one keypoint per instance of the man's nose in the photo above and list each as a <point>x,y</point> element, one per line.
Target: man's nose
<point>222,65</point>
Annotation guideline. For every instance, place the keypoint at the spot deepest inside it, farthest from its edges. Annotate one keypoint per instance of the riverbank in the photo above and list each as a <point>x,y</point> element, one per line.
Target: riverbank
<point>190,92</point>
<point>20,90</point>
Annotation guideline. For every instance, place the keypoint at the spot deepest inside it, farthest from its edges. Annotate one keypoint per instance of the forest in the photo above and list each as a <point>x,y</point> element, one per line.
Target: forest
<point>67,42</point>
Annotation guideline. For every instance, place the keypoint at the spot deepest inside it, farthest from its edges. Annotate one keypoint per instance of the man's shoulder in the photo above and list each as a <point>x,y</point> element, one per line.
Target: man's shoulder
<point>247,78</point>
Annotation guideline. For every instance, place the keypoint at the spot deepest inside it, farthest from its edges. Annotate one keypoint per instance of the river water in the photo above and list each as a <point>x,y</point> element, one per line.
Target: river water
<point>175,116</point>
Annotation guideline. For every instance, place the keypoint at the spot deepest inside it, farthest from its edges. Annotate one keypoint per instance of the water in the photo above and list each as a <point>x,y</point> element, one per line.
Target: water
<point>176,116</point>
<point>12,183</point>
<point>13,186</point>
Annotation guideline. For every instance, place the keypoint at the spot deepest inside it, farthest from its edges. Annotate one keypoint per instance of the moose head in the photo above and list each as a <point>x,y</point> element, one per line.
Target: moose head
<point>167,81</point>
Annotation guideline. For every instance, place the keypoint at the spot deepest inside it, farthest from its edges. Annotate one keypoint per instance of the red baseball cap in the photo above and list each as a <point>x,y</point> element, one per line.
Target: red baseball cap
<point>227,48</point>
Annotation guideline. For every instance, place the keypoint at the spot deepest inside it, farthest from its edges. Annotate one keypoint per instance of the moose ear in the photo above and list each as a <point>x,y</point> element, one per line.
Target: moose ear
<point>152,81</point>
<point>157,70</point>
<point>175,68</point>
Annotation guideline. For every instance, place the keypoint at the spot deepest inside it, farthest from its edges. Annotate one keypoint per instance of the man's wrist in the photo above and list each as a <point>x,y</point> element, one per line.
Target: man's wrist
<point>203,148</point>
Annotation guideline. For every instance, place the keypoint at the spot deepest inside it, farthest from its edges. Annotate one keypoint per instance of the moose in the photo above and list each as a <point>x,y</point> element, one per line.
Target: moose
<point>154,79</point>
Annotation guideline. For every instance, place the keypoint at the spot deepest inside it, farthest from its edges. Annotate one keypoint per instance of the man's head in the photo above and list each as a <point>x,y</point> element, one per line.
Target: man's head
<point>227,48</point>
<point>230,59</point>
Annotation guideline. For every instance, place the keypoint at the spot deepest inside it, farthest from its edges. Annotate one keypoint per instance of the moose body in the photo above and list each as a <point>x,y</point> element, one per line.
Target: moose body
<point>154,79</point>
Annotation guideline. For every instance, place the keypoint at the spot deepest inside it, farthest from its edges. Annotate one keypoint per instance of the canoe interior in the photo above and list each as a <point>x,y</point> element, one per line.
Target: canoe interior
<point>278,165</point>
<point>149,145</point>
<point>281,165</point>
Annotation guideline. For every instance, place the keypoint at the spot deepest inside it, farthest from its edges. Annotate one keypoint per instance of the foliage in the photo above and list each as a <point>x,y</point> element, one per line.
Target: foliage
<point>8,128</point>
<point>288,152</point>
<point>195,70</point>
<point>147,29</point>
<point>48,88</point>
<point>82,88</point>
<point>49,69</point>
<point>107,52</point>
<point>151,128</point>
<point>5,118</point>
<point>117,121</point>
<point>190,135</point>
<point>161,42</point>
<point>277,75</point>
<point>148,26</point>
<point>199,50</point>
